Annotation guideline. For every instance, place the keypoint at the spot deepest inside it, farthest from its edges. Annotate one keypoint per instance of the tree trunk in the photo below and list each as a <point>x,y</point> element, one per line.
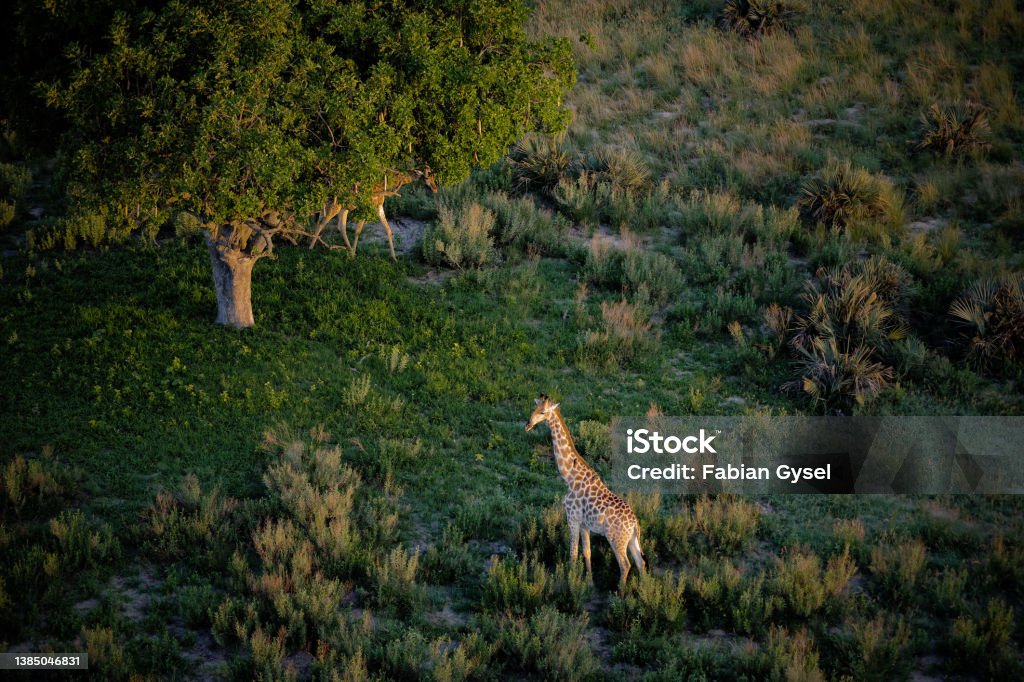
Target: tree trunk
<point>232,280</point>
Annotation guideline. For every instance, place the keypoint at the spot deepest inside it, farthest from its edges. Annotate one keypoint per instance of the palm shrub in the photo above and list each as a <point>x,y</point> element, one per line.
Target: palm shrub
<point>622,168</point>
<point>842,194</point>
<point>954,130</point>
<point>850,321</point>
<point>755,18</point>
<point>540,162</point>
<point>992,311</point>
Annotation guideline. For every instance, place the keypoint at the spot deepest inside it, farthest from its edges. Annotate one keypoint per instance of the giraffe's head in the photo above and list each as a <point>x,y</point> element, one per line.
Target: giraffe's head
<point>544,410</point>
<point>427,175</point>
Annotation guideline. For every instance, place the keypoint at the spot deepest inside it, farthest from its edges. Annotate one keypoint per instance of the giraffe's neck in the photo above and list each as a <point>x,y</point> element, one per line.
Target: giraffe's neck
<point>570,465</point>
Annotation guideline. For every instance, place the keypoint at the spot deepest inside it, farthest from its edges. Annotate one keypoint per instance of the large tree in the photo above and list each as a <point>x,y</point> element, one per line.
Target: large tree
<point>245,118</point>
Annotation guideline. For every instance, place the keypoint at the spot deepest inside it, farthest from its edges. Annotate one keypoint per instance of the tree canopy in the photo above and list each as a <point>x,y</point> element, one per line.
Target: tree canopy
<point>246,116</point>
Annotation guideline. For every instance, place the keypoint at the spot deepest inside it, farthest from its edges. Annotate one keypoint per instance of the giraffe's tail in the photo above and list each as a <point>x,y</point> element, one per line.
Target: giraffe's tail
<point>638,553</point>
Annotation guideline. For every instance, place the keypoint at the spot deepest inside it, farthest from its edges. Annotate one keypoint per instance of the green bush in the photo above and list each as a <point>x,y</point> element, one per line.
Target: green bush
<point>460,239</point>
<point>899,568</point>
<point>984,644</point>
<point>518,587</point>
<point>523,228</point>
<point>550,644</point>
<point>623,336</point>
<point>654,604</point>
<point>396,587</point>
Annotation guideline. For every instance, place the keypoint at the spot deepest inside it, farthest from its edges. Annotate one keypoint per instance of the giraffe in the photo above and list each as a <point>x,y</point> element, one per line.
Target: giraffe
<point>388,187</point>
<point>589,504</point>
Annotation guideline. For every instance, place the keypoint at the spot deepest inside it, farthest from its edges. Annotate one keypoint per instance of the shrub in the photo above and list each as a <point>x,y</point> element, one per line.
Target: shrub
<point>755,18</point>
<point>81,546</point>
<point>179,525</point>
<point>835,376</point>
<point>550,644</point>
<point>802,584</point>
<point>647,276</point>
<point>955,130</point>
<point>899,568</point>
<point>623,336</point>
<point>985,642</point>
<point>841,195</point>
<point>792,656</point>
<point>545,535</point>
<point>655,272</point>
<point>25,481</point>
<point>727,522</point>
<point>449,560</point>
<point>460,240</point>
<point>15,181</point>
<point>540,162</point>
<point>396,587</point>
<point>516,587</point>
<point>653,604</point>
<point>878,651</point>
<point>992,310</point>
<point>594,440</point>
<point>523,227</point>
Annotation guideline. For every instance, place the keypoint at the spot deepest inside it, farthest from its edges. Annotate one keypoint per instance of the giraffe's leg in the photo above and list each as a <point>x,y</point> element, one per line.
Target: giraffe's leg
<point>619,545</point>
<point>634,549</point>
<point>586,551</point>
<point>343,226</point>
<point>574,539</point>
<point>359,231</point>
<point>387,228</point>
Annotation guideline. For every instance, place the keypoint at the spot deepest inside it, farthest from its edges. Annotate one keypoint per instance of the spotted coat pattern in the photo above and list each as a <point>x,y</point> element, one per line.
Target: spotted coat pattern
<point>589,505</point>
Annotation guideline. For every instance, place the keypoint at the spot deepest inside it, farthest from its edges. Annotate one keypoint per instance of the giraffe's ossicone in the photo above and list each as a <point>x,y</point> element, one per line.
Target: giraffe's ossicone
<point>589,505</point>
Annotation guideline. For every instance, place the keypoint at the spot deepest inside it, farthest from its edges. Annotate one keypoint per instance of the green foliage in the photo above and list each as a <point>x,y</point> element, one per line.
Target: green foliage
<point>955,130</point>
<point>992,311</point>
<point>460,240</point>
<point>80,546</point>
